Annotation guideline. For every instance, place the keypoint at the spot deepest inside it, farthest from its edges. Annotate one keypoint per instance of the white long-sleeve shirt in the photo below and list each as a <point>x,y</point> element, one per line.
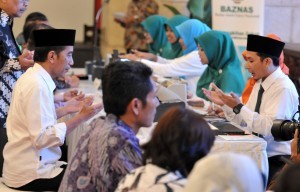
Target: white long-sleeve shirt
<point>188,65</point>
<point>279,101</point>
<point>34,136</point>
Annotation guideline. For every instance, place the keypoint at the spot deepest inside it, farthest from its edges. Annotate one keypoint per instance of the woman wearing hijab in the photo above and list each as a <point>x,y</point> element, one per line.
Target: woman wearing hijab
<point>180,139</point>
<point>155,35</point>
<point>216,48</point>
<point>173,35</point>
<point>250,83</point>
<point>225,172</point>
<point>189,65</point>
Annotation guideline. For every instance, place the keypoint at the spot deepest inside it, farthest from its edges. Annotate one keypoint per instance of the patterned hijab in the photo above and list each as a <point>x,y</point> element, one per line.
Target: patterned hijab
<point>190,29</point>
<point>172,23</point>
<point>223,63</point>
<point>154,25</point>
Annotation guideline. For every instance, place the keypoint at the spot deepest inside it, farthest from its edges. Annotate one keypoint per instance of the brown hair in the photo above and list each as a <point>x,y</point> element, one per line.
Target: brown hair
<point>180,138</point>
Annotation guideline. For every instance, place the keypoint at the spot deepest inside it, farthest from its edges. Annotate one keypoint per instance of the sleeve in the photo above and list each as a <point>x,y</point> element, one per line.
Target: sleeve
<point>188,65</point>
<point>163,60</point>
<point>126,156</point>
<point>127,159</point>
<point>10,65</point>
<point>41,119</point>
<point>280,106</point>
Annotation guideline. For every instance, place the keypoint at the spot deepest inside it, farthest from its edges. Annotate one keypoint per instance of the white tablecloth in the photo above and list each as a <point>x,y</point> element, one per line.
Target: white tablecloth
<point>250,145</point>
<point>253,147</point>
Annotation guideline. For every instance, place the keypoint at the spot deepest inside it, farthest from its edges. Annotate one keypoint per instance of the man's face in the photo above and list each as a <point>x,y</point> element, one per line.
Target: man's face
<point>63,62</point>
<point>171,35</point>
<point>16,8</point>
<point>147,113</point>
<point>255,66</point>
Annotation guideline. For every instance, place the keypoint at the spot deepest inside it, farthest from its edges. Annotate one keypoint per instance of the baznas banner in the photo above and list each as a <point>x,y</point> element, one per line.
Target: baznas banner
<point>239,18</point>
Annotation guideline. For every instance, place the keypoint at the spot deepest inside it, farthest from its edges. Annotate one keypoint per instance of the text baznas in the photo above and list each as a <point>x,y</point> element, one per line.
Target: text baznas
<point>236,9</point>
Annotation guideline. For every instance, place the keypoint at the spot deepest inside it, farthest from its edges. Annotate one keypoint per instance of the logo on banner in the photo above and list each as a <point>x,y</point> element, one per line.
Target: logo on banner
<point>237,1</point>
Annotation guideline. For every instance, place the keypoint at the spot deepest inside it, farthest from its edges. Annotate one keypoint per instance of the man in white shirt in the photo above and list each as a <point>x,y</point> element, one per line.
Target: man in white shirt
<point>34,135</point>
<point>274,96</point>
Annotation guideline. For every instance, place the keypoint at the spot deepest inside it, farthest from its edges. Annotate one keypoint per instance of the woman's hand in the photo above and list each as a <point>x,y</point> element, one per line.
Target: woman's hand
<point>132,57</point>
<point>144,55</point>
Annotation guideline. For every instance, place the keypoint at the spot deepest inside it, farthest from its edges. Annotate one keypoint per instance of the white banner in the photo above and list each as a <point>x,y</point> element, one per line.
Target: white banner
<point>239,18</point>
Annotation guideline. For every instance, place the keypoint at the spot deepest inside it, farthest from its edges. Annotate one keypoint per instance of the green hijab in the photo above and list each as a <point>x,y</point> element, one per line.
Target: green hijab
<point>154,25</point>
<point>223,63</point>
<point>172,23</point>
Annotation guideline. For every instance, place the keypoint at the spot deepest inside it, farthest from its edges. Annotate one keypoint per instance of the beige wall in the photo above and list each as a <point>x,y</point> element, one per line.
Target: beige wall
<point>113,34</point>
<point>281,17</point>
<point>71,14</point>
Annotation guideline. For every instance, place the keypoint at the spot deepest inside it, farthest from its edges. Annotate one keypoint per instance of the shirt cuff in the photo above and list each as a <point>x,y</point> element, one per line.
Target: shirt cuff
<point>61,130</point>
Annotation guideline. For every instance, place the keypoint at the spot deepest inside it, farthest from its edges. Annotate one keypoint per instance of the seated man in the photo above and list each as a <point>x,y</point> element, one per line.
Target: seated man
<point>109,149</point>
<point>34,135</point>
<point>274,96</point>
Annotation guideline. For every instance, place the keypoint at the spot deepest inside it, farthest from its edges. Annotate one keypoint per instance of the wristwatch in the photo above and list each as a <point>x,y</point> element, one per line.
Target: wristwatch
<point>237,108</point>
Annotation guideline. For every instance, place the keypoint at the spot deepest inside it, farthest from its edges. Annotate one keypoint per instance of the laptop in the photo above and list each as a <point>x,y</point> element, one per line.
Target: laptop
<point>226,128</point>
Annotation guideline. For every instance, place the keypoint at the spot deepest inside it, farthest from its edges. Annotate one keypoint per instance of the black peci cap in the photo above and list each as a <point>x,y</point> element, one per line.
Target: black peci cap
<point>54,37</point>
<point>264,45</point>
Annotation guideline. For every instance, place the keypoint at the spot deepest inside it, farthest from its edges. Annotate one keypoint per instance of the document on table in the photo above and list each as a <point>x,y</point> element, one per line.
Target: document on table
<point>239,137</point>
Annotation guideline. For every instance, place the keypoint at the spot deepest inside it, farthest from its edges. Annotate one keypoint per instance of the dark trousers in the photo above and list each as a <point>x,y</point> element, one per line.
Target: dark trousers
<point>3,141</point>
<point>275,165</point>
<point>44,184</point>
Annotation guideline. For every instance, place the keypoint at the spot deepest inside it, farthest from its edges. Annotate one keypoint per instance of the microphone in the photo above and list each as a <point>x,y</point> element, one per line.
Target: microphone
<point>96,52</point>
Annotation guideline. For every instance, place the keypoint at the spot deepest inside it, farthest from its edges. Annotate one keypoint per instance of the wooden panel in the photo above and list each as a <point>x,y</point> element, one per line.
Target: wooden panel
<point>292,60</point>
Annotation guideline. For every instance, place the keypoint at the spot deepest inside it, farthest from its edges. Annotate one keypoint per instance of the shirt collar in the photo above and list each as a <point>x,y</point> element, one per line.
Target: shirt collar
<point>4,18</point>
<point>271,78</point>
<point>45,75</point>
<point>121,123</point>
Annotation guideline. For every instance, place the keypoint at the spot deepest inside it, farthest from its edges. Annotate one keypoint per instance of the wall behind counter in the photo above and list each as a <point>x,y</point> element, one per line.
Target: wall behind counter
<point>71,14</point>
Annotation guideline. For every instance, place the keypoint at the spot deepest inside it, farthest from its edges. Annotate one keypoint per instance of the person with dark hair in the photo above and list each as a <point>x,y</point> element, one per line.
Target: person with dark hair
<point>12,61</point>
<point>64,82</point>
<point>34,17</point>
<point>28,35</point>
<point>179,140</point>
<point>274,96</point>
<point>34,136</point>
<point>109,149</point>
<point>250,83</point>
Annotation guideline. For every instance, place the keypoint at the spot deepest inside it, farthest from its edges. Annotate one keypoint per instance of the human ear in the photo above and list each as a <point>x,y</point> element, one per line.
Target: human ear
<point>51,56</point>
<point>135,106</point>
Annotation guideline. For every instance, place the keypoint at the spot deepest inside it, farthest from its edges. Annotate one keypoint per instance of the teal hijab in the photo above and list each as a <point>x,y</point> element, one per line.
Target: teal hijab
<point>154,25</point>
<point>176,47</point>
<point>190,29</point>
<point>223,63</point>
